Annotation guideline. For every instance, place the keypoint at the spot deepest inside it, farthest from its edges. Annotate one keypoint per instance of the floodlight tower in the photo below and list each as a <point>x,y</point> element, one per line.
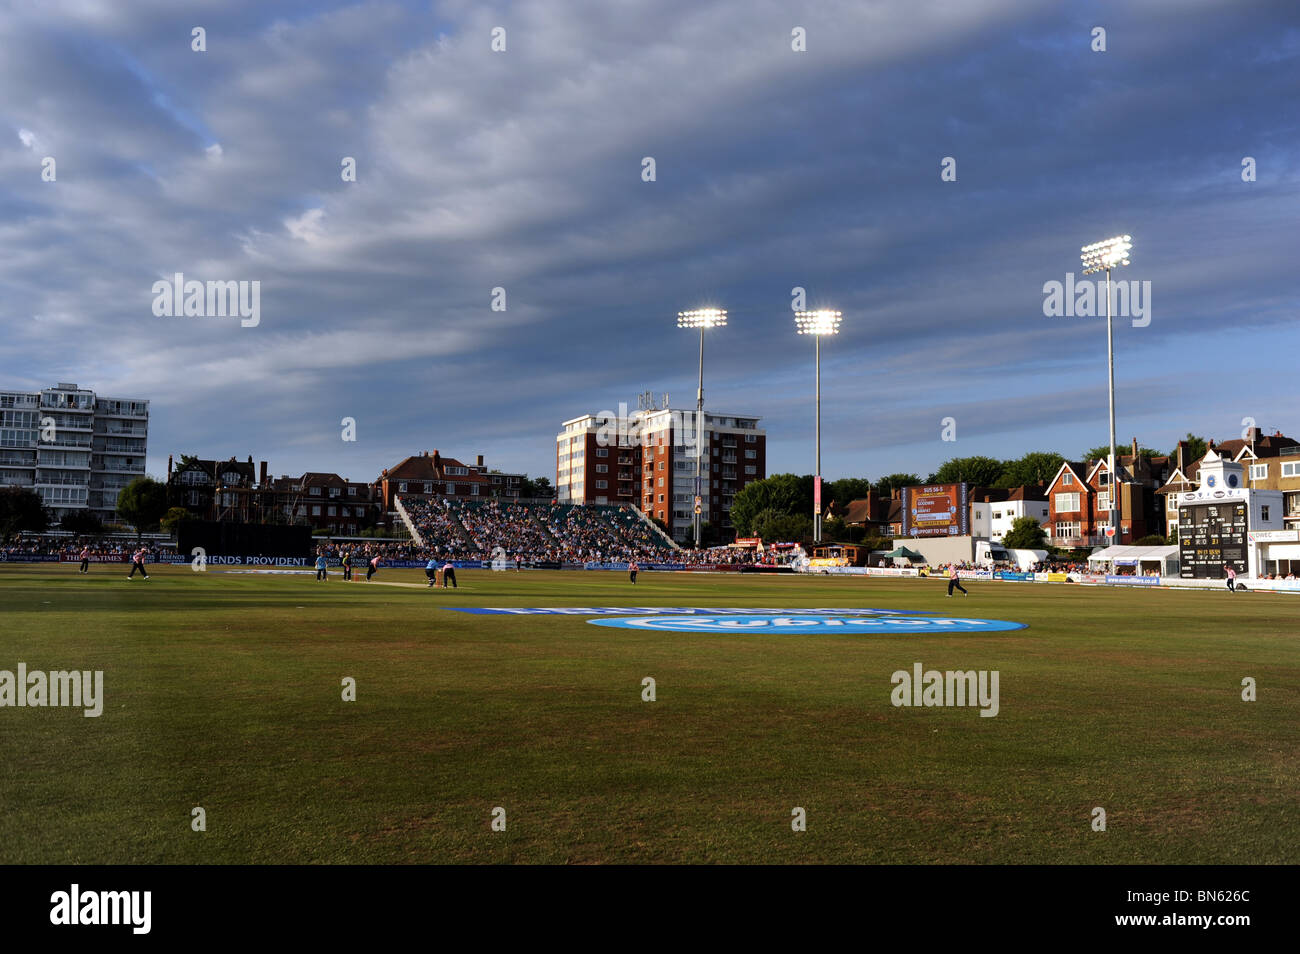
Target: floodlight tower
<point>818,324</point>
<point>1111,253</point>
<point>700,318</point>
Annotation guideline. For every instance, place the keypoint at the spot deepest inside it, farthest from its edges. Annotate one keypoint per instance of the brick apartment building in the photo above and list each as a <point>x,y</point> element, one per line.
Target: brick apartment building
<point>648,459</point>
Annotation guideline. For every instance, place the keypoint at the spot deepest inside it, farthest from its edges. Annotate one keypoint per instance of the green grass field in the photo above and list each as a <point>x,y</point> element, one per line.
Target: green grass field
<point>223,690</point>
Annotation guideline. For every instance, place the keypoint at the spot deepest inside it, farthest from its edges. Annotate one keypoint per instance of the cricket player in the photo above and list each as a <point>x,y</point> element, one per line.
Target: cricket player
<point>449,573</point>
<point>374,565</point>
<point>1232,578</point>
<point>137,563</point>
<point>431,570</point>
<point>955,581</point>
<point>347,564</point>
<point>322,567</point>
<point>631,571</point>
<point>85,560</point>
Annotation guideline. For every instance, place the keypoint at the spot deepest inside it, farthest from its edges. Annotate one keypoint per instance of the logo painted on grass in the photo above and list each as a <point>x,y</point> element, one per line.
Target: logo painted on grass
<point>789,625</point>
<point>678,611</point>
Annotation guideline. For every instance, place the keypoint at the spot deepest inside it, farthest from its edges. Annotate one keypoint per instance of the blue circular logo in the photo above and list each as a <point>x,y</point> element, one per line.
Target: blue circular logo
<point>1210,480</point>
<point>847,624</point>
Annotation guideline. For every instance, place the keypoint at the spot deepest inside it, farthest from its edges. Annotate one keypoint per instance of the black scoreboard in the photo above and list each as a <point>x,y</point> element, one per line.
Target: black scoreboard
<point>1210,535</point>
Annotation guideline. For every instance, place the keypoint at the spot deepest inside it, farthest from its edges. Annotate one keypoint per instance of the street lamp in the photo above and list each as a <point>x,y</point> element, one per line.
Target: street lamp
<point>818,324</point>
<point>700,318</point>
<point>1099,256</point>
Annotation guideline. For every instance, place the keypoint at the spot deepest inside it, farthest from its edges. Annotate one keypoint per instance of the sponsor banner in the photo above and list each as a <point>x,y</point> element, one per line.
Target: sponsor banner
<point>30,558</point>
<point>1292,585</point>
<point>802,625</point>
<point>891,571</point>
<point>1092,577</point>
<point>1056,577</point>
<point>617,565</point>
<point>712,567</point>
<point>1010,575</point>
<point>1209,496</point>
<point>841,570</point>
<point>1133,580</point>
<point>974,574</point>
<point>1274,536</point>
<point>678,611</point>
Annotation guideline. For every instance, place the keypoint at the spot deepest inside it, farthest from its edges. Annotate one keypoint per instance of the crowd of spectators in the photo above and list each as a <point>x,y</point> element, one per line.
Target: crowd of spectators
<point>70,549</point>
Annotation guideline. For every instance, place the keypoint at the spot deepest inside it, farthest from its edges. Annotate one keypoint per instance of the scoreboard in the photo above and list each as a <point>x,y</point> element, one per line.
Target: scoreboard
<point>1210,535</point>
<point>936,510</point>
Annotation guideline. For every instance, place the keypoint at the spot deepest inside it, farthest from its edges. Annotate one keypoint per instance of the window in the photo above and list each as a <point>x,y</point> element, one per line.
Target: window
<point>661,481</point>
<point>352,491</point>
<point>331,511</point>
<point>345,511</point>
<point>602,485</point>
<point>997,514</point>
<point>451,490</point>
<point>1291,469</point>
<point>401,488</point>
<point>751,455</point>
<point>315,491</point>
<point>1103,479</point>
<point>602,452</point>
<point>1258,471</point>
<point>1103,503</point>
<point>1067,479</point>
<point>602,468</point>
<point>473,490</point>
<point>1263,513</point>
<point>751,470</point>
<point>661,498</point>
<point>751,438</point>
<point>661,465</point>
<point>315,511</point>
<point>1064,530</point>
<point>1067,503</point>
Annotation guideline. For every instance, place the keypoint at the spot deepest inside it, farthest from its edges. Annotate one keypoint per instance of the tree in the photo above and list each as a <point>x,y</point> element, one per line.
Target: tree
<point>21,511</point>
<point>81,521</point>
<point>142,503</point>
<point>1026,533</point>
<point>843,490</point>
<point>976,471</point>
<point>774,526</point>
<point>782,493</point>
<point>887,483</point>
<point>542,488</point>
<point>1196,447</point>
<point>175,516</point>
<point>1151,540</point>
<point>1103,452</point>
<point>1030,469</point>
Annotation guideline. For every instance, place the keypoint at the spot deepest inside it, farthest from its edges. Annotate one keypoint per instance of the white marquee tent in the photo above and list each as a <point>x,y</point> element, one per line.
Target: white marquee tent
<point>1148,561</point>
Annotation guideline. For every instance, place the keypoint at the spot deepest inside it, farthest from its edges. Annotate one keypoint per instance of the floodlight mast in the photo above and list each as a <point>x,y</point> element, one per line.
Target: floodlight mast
<point>1104,255</point>
<point>700,318</point>
<point>818,324</point>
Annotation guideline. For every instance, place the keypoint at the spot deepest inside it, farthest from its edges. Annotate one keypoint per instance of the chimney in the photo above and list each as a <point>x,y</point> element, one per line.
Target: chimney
<point>262,474</point>
<point>169,468</point>
<point>1135,448</point>
<point>479,460</point>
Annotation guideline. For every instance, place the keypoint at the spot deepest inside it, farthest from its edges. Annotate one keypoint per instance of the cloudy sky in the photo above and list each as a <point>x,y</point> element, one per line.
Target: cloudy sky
<point>774,168</point>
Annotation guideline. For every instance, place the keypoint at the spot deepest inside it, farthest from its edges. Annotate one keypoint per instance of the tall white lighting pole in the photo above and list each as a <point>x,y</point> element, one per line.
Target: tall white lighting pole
<point>700,318</point>
<point>1103,256</point>
<point>818,324</point>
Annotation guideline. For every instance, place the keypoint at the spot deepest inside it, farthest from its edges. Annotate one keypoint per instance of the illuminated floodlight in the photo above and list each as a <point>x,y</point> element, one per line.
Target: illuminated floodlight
<point>1111,253</point>
<point>823,322</point>
<point>702,318</point>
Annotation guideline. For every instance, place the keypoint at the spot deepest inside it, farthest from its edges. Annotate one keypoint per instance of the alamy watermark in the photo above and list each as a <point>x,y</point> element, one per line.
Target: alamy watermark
<point>933,687</point>
<point>1087,299</point>
<point>194,299</point>
<point>624,429</point>
<point>76,689</point>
